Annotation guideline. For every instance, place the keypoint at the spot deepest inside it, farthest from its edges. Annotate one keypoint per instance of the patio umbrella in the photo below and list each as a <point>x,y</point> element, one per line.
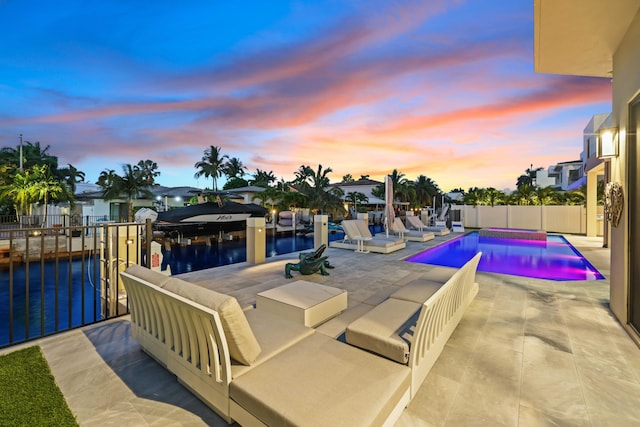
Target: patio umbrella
<point>389,213</point>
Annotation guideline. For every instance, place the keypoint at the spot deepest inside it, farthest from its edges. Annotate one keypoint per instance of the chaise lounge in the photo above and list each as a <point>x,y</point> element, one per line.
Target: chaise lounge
<point>357,236</point>
<point>413,222</point>
<point>256,368</point>
<point>398,228</point>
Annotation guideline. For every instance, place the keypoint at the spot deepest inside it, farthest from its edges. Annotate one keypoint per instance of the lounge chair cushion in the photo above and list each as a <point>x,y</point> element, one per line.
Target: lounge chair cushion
<point>382,243</point>
<point>153,277</point>
<point>363,228</point>
<point>386,329</point>
<point>351,230</point>
<point>243,345</point>
<point>421,236</point>
<point>274,334</point>
<point>417,291</point>
<point>322,382</point>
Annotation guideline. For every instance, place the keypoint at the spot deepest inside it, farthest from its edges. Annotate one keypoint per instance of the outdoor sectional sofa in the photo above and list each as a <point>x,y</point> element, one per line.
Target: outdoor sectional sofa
<point>255,368</point>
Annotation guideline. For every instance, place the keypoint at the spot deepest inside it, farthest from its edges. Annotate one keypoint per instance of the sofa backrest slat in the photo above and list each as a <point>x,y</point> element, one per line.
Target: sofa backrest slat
<point>439,316</point>
<point>192,332</point>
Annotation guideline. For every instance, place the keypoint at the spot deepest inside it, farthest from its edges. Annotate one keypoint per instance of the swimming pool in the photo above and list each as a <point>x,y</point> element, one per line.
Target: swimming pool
<point>553,259</point>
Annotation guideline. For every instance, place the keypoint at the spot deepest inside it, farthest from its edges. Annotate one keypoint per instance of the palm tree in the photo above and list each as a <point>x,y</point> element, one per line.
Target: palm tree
<point>347,178</point>
<point>313,184</point>
<point>494,196</point>
<point>263,178</point>
<point>46,187</point>
<point>148,171</point>
<point>234,168</point>
<point>355,197</point>
<point>426,190</point>
<point>543,195</point>
<point>21,193</point>
<point>106,178</point>
<point>472,197</point>
<point>524,195</point>
<point>133,183</point>
<point>211,165</point>
<point>72,176</point>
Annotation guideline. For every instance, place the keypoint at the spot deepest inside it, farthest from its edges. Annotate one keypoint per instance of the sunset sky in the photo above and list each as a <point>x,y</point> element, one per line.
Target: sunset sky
<point>440,88</point>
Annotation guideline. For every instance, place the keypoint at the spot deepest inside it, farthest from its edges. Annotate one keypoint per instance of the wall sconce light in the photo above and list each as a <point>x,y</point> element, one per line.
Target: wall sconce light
<point>608,143</point>
<point>129,241</point>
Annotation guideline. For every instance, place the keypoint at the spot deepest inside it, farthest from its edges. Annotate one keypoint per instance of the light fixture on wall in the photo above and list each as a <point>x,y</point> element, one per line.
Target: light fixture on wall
<point>608,143</point>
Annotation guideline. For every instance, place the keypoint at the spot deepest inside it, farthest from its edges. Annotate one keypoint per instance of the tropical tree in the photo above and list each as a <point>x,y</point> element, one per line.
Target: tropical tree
<point>21,193</point>
<point>211,165</point>
<point>425,190</point>
<point>46,188</point>
<point>263,178</point>
<point>72,176</point>
<point>493,196</point>
<point>524,195</point>
<point>148,171</point>
<point>528,178</point>
<point>347,178</point>
<point>133,183</point>
<point>472,197</point>
<point>314,184</point>
<point>543,196</point>
<point>378,191</point>
<point>234,168</point>
<point>33,185</point>
<point>286,200</point>
<point>235,183</point>
<point>355,197</point>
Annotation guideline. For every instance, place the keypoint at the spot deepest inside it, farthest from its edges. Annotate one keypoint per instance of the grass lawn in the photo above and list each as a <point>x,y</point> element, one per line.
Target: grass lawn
<point>29,395</point>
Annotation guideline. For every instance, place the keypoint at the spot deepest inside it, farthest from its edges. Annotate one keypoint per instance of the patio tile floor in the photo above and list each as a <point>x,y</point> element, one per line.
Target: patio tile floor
<point>527,352</point>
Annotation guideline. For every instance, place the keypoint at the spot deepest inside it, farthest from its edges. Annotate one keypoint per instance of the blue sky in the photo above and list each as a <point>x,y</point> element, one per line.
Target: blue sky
<point>440,88</point>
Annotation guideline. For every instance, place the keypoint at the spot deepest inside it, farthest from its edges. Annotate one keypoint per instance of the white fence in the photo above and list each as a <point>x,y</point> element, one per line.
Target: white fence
<point>556,219</point>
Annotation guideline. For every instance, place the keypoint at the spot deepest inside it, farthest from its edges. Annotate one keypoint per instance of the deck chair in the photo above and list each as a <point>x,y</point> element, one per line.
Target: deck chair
<point>358,236</point>
<point>397,227</point>
<point>413,222</point>
<point>441,220</point>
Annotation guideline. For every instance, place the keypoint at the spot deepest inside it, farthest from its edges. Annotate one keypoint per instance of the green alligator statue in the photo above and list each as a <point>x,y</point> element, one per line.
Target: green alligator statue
<point>310,263</point>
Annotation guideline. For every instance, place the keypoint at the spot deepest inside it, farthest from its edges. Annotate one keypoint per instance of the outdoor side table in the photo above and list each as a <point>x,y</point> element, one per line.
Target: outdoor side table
<point>305,302</point>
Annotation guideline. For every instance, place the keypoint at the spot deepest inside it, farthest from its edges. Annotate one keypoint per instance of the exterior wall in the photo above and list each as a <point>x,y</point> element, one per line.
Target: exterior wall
<point>556,219</point>
<point>626,86</point>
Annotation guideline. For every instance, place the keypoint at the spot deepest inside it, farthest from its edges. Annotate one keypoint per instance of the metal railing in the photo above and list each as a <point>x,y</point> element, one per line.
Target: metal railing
<point>54,279</point>
<point>61,222</point>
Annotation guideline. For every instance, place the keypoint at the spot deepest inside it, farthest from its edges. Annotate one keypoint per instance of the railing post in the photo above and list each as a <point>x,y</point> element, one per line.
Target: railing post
<point>148,238</point>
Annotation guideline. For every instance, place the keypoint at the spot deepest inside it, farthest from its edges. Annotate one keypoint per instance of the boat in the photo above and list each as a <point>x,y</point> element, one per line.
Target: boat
<point>208,218</point>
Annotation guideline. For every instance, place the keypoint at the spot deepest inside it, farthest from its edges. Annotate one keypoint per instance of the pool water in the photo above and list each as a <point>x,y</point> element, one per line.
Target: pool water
<point>553,259</point>
<point>184,259</point>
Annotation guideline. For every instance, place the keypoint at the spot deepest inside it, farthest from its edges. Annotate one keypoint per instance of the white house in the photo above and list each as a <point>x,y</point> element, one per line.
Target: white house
<point>600,39</point>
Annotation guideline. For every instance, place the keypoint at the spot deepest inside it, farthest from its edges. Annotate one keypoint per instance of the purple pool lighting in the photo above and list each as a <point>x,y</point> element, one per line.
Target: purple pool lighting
<point>553,259</point>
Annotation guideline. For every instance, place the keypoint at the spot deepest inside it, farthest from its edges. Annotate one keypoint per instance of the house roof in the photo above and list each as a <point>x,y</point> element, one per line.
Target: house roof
<point>579,37</point>
<point>354,183</point>
<point>248,189</point>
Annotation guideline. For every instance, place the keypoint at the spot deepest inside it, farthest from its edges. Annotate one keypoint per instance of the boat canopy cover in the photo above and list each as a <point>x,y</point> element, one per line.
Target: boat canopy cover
<point>210,208</point>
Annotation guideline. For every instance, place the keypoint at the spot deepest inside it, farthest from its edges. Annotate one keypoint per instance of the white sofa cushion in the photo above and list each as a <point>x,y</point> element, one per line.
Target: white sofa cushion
<point>417,291</point>
<point>243,345</point>
<point>274,334</point>
<point>322,382</point>
<point>386,329</point>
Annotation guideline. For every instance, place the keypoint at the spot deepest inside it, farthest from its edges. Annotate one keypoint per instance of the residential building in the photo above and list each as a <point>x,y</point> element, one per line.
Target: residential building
<point>364,186</point>
<point>564,175</point>
<point>601,39</point>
